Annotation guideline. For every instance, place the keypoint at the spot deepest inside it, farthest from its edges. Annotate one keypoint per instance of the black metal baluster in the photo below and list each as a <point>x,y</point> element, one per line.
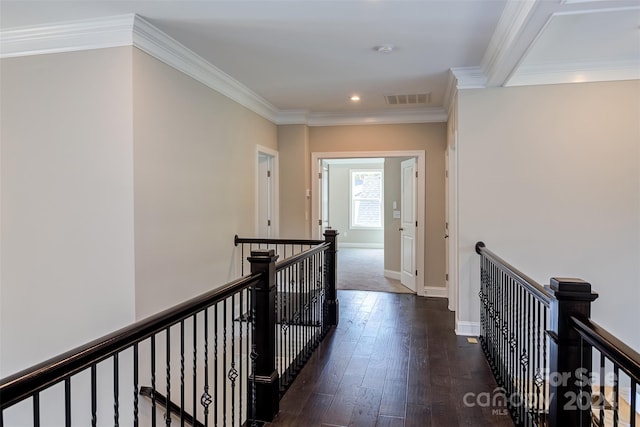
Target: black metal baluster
<point>67,402</point>
<point>241,353</point>
<point>205,399</point>
<point>632,408</point>
<point>545,364</point>
<point>182,402</point>
<point>153,380</point>
<point>224,360</point>
<point>602,379</point>
<point>116,387</point>
<point>94,397</point>
<point>527,361</point>
<point>36,410</point>
<point>167,418</point>
<point>136,381</point>
<point>195,365</point>
<point>215,364</point>
<point>616,395</point>
<point>233,373</point>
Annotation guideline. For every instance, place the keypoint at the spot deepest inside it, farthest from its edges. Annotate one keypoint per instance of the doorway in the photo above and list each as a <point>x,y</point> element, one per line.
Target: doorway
<point>361,166</point>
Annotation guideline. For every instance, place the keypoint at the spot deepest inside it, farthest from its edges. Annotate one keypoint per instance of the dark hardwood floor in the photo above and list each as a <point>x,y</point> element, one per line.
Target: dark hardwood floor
<point>394,360</point>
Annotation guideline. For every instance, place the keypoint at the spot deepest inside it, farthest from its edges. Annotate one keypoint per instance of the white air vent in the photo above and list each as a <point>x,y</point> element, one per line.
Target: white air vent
<point>411,99</point>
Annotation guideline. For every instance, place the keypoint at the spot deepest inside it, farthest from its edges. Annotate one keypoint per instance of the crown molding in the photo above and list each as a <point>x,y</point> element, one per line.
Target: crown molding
<point>576,73</point>
<point>71,36</point>
<point>404,116</point>
<point>469,78</point>
<point>156,43</point>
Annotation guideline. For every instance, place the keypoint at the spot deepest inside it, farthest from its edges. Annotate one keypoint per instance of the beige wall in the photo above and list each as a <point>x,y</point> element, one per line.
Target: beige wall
<point>549,178</point>
<point>295,179</point>
<point>67,273</point>
<point>195,156</point>
<point>430,137</point>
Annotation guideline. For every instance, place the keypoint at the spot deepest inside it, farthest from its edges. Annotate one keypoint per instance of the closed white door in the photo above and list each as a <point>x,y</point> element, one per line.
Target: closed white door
<point>265,196</point>
<point>408,224</point>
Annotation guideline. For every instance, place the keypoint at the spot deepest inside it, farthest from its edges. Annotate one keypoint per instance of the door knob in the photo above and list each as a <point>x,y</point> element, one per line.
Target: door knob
<point>400,229</point>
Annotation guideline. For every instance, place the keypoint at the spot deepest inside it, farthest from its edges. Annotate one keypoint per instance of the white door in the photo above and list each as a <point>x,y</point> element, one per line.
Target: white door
<point>265,196</point>
<point>324,194</point>
<point>408,224</point>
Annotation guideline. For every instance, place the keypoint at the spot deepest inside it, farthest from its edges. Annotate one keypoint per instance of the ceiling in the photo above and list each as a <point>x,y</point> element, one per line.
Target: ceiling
<point>306,58</point>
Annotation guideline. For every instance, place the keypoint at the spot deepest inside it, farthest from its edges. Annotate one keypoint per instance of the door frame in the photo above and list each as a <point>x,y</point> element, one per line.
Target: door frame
<point>421,237</point>
<point>275,201</point>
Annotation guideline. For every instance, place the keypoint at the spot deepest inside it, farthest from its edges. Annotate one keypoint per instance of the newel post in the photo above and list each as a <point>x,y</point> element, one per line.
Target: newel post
<point>569,361</point>
<point>265,390</point>
<point>331,309</point>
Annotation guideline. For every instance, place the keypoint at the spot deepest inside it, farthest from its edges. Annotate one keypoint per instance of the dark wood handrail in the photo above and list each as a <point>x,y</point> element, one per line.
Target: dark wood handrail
<point>281,265</point>
<point>539,291</point>
<point>237,240</point>
<point>25,383</point>
<point>620,353</point>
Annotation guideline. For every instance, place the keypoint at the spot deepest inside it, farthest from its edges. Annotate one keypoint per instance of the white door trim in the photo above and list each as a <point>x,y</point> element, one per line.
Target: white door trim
<point>421,236</point>
<point>275,221</point>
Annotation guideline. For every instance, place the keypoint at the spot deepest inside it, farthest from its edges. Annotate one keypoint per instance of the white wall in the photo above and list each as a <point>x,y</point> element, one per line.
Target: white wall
<point>67,271</point>
<point>194,163</point>
<point>549,179</point>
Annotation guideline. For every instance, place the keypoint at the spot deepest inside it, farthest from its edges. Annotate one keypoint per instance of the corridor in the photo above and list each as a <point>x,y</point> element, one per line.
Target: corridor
<point>394,360</point>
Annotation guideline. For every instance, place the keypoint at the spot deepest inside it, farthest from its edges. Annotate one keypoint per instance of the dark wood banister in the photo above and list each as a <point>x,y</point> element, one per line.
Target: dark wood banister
<point>23,384</point>
<point>620,353</point>
<point>238,240</point>
<point>539,291</point>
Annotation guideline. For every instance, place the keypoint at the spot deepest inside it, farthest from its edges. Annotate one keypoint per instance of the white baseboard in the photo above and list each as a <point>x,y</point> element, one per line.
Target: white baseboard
<point>468,329</point>
<point>361,245</point>
<point>435,292</point>
<point>390,274</point>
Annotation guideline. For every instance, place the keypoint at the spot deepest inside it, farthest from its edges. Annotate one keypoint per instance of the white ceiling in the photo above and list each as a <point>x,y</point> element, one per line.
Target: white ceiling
<point>309,56</point>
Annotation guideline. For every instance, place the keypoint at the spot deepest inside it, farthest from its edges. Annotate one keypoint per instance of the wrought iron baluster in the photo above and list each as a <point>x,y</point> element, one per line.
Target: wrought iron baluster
<point>94,397</point>
<point>182,402</point>
<point>195,365</point>
<point>233,373</point>
<point>224,360</point>
<point>116,387</point>
<point>153,380</point>
<point>136,381</point>
<point>205,399</point>
<point>167,417</point>
<point>616,395</point>
<point>36,410</point>
<point>67,402</point>
<point>215,363</point>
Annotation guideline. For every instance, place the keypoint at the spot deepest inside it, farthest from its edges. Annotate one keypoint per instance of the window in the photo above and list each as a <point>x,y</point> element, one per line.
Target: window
<point>366,198</point>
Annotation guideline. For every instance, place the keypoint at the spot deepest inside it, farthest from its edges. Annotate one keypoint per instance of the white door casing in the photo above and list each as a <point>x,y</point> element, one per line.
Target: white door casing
<point>421,234</point>
<point>408,223</point>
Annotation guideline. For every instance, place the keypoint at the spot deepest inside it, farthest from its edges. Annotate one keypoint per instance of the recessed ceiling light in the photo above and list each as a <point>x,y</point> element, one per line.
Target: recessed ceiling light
<point>355,98</point>
<point>384,48</point>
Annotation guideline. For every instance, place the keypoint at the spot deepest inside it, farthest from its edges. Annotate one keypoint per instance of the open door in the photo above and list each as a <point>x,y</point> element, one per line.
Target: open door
<point>408,186</point>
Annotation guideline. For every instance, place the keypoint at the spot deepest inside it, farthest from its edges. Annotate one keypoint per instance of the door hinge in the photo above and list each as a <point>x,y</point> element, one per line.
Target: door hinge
<point>268,174</point>
<point>268,223</point>
<point>416,174</point>
<point>319,175</point>
<point>319,222</point>
<point>446,277</point>
<point>416,223</point>
<point>416,272</point>
<point>446,225</point>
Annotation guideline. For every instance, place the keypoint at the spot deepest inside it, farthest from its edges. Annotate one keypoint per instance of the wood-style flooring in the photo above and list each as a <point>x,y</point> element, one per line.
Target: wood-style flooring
<point>394,360</point>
